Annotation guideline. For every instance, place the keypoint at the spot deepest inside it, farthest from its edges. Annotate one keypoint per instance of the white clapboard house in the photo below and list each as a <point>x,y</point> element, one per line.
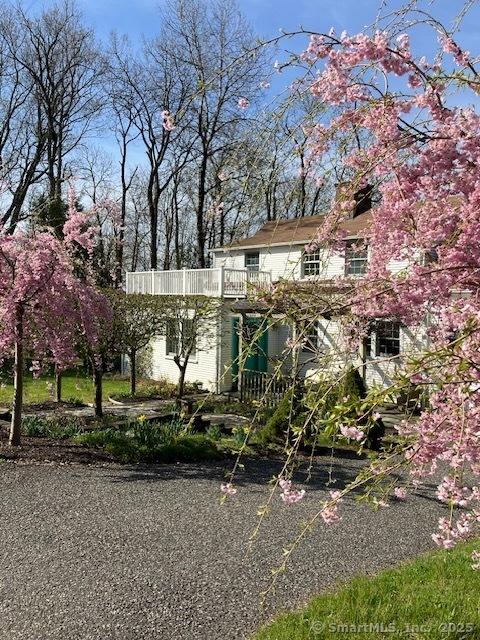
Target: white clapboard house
<point>275,252</point>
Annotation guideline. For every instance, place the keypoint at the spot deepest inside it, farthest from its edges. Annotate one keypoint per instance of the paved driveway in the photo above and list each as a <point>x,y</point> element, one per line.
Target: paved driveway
<point>96,553</point>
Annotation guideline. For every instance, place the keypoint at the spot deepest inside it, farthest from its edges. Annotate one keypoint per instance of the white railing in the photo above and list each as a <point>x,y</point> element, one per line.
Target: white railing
<point>219,282</point>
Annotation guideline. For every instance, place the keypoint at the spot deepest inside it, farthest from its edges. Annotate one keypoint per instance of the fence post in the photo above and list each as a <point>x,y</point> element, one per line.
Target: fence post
<point>153,282</point>
<point>222,281</point>
<point>184,284</point>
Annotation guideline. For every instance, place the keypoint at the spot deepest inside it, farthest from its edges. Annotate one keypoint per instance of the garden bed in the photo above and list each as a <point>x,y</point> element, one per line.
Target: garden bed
<point>44,450</point>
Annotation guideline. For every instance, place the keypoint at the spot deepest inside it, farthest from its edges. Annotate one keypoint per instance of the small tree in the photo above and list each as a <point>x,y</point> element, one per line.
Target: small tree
<point>191,325</point>
<point>42,301</point>
<point>140,318</point>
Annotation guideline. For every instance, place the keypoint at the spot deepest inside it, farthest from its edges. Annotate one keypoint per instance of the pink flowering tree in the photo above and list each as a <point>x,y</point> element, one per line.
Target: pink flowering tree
<point>421,152</point>
<point>403,128</point>
<point>43,301</point>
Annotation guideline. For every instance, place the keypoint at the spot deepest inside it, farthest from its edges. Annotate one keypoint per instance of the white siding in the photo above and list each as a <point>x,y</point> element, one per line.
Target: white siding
<point>201,368</point>
<point>286,262</point>
<point>282,262</point>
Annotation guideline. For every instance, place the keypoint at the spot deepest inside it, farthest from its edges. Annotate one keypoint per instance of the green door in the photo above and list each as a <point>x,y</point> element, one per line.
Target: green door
<point>256,330</point>
<point>255,342</point>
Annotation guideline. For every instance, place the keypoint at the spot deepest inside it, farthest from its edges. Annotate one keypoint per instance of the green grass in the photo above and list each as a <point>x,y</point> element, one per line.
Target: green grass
<point>420,600</point>
<point>73,386</point>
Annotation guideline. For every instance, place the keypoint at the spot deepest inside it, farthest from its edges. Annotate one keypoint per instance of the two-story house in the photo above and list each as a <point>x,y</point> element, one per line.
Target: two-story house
<point>275,252</point>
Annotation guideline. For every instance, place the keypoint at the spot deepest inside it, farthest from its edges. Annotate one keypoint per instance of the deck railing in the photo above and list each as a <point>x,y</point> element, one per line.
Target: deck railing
<point>220,282</point>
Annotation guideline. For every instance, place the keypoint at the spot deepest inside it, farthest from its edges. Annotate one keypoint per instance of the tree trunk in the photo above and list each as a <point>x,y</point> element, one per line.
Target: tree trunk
<point>97,383</point>
<point>58,386</point>
<point>16,424</point>
<point>133,371</point>
<point>181,381</point>
<point>199,213</point>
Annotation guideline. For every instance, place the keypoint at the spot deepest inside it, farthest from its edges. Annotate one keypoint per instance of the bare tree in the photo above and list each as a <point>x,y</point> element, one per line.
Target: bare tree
<point>58,56</point>
<point>213,39</point>
<point>23,133</point>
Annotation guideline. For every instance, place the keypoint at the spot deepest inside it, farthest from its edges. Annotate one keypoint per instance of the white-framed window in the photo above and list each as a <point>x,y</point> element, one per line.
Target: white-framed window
<point>188,336</point>
<point>172,337</point>
<point>311,263</point>
<point>387,337</point>
<point>252,261</point>
<point>356,258</point>
<point>180,336</point>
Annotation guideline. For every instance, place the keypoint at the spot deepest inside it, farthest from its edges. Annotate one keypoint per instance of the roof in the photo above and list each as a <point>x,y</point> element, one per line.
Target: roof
<point>298,231</point>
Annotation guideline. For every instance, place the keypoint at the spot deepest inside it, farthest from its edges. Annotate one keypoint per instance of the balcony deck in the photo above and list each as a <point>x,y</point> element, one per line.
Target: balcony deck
<point>220,282</point>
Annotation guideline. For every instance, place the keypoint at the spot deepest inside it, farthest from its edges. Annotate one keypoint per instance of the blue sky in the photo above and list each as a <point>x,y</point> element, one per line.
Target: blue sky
<point>137,17</point>
<point>267,17</point>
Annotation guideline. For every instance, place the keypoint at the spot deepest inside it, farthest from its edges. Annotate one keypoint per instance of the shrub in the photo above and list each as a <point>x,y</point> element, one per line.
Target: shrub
<point>189,448</point>
<point>151,434</point>
<point>289,411</point>
<point>352,385</point>
<point>239,435</point>
<point>114,441</point>
<point>56,427</point>
<point>214,432</point>
<point>318,399</point>
<point>152,442</point>
<point>77,402</point>
<point>34,426</point>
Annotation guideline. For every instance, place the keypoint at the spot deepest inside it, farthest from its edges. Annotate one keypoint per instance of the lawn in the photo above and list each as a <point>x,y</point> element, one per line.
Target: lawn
<point>434,597</point>
<point>74,385</point>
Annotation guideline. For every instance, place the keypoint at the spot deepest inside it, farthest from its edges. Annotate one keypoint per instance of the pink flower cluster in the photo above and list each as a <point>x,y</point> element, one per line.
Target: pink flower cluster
<point>329,511</point>
<point>289,495</point>
<point>243,103</point>
<point>228,489</point>
<point>400,493</point>
<point>168,121</point>
<point>450,532</point>
<point>461,57</point>
<point>352,433</point>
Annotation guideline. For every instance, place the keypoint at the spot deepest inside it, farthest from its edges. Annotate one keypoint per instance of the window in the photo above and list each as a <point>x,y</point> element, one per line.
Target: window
<point>188,336</point>
<point>172,337</point>
<point>311,339</point>
<point>367,344</point>
<point>355,258</point>
<point>178,342</point>
<point>311,263</point>
<point>388,338</point>
<point>252,261</point>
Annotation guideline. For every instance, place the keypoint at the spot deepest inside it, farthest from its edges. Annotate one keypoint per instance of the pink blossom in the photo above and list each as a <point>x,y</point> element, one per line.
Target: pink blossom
<point>289,495</point>
<point>400,493</point>
<point>168,121</point>
<point>329,510</point>
<point>243,103</point>
<point>228,489</point>
<point>352,433</point>
<point>36,368</point>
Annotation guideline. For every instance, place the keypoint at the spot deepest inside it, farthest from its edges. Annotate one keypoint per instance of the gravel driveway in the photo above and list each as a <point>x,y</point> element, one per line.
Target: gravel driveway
<point>95,553</point>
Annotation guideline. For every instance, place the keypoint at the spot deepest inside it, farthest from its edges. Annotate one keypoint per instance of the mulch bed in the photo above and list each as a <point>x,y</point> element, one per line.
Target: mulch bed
<point>43,450</point>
